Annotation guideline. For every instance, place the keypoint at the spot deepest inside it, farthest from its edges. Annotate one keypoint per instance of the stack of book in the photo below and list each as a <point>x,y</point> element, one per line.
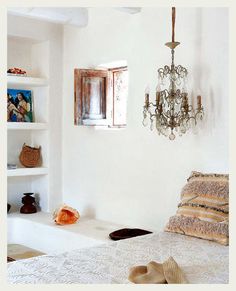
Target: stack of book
<point>11,166</point>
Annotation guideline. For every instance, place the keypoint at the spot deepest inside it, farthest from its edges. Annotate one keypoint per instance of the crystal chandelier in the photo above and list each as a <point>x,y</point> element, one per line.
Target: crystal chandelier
<point>171,111</point>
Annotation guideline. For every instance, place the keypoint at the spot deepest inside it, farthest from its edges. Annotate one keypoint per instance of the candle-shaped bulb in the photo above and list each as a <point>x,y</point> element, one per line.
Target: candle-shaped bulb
<point>145,121</point>
<point>199,102</point>
<point>147,96</point>
<point>151,125</point>
<point>158,95</point>
<point>158,87</point>
<point>147,90</point>
<point>160,109</point>
<point>187,105</point>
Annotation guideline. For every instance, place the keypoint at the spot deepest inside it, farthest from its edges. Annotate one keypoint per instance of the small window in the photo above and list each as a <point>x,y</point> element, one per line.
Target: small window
<point>101,96</point>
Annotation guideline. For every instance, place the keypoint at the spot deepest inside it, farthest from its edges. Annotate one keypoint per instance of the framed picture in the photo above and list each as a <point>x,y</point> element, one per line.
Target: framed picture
<point>19,105</point>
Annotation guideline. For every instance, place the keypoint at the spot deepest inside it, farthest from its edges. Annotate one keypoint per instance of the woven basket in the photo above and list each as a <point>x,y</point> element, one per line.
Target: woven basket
<point>30,157</point>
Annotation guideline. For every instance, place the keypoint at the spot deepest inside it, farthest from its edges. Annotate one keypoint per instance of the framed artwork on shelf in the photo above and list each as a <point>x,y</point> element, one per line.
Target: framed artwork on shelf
<point>19,105</point>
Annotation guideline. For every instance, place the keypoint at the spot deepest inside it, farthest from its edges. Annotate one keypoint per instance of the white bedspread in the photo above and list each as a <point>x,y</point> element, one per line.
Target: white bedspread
<point>201,261</point>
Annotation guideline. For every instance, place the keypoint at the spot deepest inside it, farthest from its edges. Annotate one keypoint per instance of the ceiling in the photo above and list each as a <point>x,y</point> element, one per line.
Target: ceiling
<point>77,16</point>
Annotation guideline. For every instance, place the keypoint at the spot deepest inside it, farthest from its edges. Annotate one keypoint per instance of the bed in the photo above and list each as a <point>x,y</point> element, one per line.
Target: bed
<point>202,261</point>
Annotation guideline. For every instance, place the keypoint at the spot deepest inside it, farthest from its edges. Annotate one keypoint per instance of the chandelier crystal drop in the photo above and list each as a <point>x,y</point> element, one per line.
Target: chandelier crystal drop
<point>171,113</point>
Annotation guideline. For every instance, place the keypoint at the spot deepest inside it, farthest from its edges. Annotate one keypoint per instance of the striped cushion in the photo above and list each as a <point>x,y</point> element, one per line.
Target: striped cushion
<point>204,208</point>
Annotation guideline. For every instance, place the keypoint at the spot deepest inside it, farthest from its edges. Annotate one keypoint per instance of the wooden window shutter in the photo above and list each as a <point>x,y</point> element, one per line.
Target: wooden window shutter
<point>119,79</point>
<point>92,91</point>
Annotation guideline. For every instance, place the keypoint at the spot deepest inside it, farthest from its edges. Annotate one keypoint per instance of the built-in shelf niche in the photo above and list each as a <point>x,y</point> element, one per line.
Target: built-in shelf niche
<point>32,56</point>
<point>29,54</point>
<point>35,138</point>
<point>37,184</point>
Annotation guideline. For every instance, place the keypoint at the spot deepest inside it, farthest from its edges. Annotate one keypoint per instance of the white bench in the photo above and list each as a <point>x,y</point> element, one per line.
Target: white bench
<point>38,231</point>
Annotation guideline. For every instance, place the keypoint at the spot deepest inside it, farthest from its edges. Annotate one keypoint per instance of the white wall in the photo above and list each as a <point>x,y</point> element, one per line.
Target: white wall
<point>134,176</point>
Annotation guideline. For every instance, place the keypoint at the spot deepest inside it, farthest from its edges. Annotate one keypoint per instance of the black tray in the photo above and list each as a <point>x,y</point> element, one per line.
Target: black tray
<point>127,233</point>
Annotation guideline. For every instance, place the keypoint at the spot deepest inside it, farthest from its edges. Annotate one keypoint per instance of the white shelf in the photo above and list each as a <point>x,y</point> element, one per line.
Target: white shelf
<point>26,126</point>
<point>21,82</point>
<point>27,172</point>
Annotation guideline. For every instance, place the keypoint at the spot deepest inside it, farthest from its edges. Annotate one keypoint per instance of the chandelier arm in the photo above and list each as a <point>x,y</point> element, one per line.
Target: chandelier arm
<point>156,111</point>
<point>190,108</point>
<point>192,117</point>
<point>165,94</point>
<point>178,115</point>
<point>152,114</point>
<point>199,112</point>
<point>151,103</point>
<point>167,116</point>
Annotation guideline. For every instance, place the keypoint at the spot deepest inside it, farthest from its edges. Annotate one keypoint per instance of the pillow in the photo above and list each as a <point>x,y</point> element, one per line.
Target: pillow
<point>204,208</point>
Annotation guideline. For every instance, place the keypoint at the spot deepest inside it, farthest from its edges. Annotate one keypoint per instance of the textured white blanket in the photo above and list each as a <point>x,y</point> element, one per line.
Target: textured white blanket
<point>201,261</point>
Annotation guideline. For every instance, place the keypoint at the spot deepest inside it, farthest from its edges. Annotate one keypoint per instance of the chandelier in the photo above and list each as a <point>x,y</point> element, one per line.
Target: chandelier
<point>171,113</point>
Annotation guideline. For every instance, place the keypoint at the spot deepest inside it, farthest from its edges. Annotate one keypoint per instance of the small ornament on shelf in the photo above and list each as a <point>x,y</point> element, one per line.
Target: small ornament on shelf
<point>11,166</point>
<point>65,215</point>
<point>29,204</point>
<point>16,72</point>
<point>30,157</point>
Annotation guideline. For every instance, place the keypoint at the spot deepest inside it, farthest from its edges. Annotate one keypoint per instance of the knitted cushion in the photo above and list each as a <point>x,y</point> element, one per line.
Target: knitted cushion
<point>204,208</point>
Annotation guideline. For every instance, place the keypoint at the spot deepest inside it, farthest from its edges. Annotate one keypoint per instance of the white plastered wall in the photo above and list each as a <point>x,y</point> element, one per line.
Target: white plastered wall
<point>133,176</point>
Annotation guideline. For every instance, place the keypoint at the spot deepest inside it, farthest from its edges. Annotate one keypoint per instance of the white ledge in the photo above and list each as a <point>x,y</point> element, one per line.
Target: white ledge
<point>27,172</point>
<point>21,82</point>
<point>27,126</point>
<point>39,231</point>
